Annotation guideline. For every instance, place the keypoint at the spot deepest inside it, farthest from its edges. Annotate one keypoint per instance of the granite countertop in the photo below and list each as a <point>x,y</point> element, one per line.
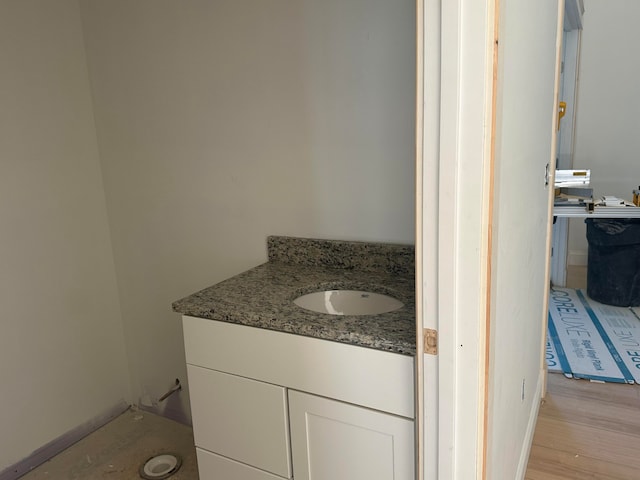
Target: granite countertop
<point>263,296</point>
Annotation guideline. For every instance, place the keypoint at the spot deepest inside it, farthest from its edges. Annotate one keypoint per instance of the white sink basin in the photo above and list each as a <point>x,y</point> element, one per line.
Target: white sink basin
<point>348,302</point>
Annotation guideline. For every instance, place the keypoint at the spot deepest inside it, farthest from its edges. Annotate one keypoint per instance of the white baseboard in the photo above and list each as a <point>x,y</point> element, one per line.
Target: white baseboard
<point>531,429</point>
<point>59,444</point>
<point>577,257</point>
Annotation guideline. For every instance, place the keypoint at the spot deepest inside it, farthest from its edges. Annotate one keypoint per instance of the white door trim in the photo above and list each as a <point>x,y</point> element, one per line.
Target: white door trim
<point>427,167</point>
<point>566,142</point>
<point>454,151</point>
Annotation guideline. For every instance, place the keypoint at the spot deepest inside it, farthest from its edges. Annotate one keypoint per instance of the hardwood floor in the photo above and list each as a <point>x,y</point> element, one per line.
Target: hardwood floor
<point>587,431</point>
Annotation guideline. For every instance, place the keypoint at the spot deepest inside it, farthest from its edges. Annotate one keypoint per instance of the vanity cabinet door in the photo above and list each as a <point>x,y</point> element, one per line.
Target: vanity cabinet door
<point>240,419</point>
<point>215,467</point>
<point>332,440</point>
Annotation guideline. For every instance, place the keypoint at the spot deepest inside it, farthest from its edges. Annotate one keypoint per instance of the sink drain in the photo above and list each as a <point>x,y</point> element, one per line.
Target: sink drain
<point>160,466</point>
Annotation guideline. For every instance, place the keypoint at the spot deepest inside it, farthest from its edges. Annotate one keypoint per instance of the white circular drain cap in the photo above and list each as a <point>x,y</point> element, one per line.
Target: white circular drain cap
<point>160,466</point>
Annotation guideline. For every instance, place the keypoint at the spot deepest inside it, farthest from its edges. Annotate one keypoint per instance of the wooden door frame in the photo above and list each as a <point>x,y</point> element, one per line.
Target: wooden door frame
<point>456,94</point>
<point>455,101</point>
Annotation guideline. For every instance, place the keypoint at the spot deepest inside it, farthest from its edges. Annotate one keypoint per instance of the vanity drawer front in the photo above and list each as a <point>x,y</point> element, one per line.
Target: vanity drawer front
<point>325,368</point>
<point>242,419</point>
<point>214,467</point>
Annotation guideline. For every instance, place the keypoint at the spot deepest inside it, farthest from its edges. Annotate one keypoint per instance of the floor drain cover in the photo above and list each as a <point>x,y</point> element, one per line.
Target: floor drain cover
<point>160,466</point>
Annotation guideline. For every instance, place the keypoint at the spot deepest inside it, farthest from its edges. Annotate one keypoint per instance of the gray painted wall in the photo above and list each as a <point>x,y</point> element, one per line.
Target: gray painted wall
<point>62,355</point>
<point>608,106</point>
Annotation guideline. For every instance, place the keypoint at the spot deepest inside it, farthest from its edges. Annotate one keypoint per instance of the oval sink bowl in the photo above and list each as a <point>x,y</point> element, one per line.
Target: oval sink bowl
<point>348,302</point>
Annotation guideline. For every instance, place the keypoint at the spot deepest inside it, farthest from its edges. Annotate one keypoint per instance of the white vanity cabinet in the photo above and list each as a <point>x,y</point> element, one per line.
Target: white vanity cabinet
<point>272,405</point>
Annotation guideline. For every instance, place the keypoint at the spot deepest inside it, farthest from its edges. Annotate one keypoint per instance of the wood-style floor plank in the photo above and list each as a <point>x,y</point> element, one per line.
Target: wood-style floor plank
<point>587,431</point>
<point>583,440</point>
<point>552,464</point>
<point>595,414</point>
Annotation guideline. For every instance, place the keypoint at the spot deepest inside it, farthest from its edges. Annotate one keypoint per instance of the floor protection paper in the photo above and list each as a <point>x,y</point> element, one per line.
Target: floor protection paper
<point>587,339</point>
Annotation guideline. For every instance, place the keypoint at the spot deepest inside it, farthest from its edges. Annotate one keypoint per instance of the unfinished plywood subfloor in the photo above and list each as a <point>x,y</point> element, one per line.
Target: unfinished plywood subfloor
<point>587,431</point>
<point>117,450</point>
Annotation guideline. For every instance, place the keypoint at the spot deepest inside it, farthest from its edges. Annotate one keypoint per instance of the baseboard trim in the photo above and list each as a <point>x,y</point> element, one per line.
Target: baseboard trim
<point>531,429</point>
<point>59,444</point>
<point>578,258</point>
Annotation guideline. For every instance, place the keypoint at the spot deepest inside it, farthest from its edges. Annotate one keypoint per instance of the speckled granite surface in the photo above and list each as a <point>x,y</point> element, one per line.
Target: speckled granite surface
<point>263,296</point>
<point>363,256</point>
